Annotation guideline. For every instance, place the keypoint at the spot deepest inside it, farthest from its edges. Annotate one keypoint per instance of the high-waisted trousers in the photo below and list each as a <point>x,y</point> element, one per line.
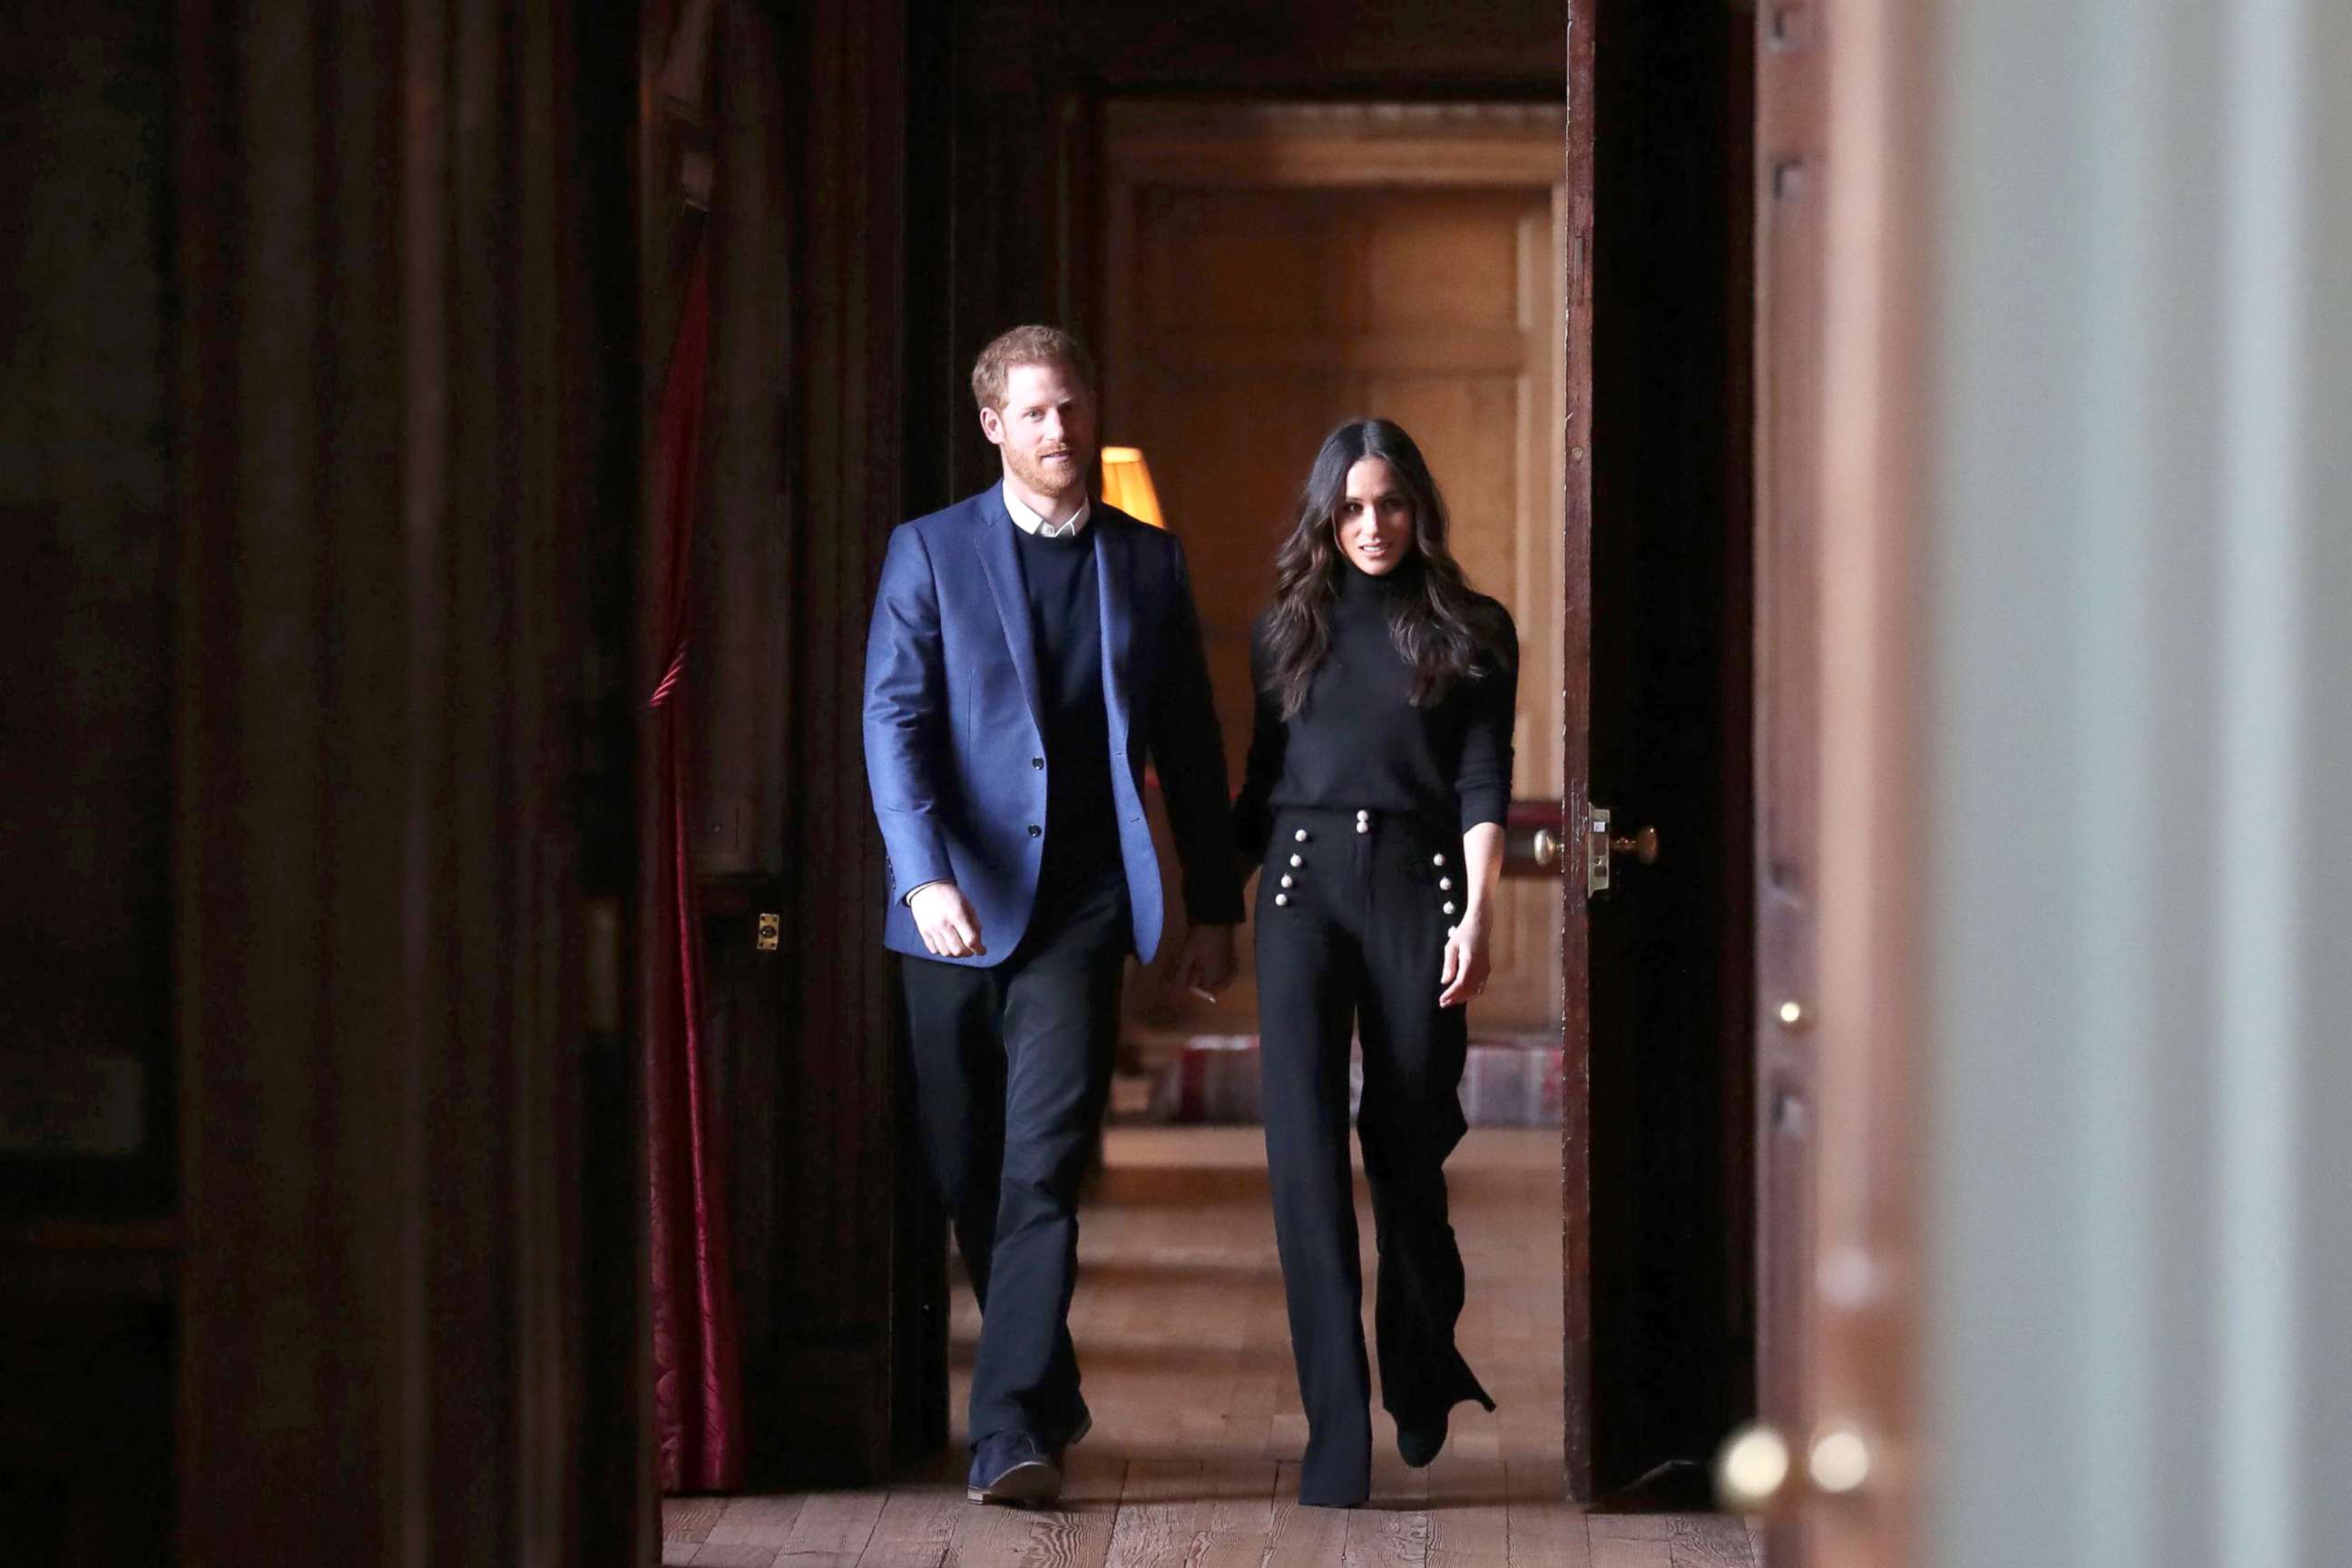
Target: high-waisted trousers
<point>1012,1070</point>
<point>1351,925</point>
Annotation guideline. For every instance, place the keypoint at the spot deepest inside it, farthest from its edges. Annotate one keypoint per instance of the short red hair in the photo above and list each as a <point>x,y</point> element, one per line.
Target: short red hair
<point>1026,345</point>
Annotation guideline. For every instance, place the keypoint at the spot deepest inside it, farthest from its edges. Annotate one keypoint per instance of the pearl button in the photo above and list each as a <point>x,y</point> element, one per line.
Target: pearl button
<point>1362,814</point>
<point>1363,828</point>
<point>1300,836</point>
<point>1285,878</point>
<point>1297,861</point>
<point>1449,906</point>
<point>1437,859</point>
<point>1282,898</point>
<point>1446,884</point>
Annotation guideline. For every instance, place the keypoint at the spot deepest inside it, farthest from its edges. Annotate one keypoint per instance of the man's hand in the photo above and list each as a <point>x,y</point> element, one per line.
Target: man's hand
<point>1206,964</point>
<point>951,926</point>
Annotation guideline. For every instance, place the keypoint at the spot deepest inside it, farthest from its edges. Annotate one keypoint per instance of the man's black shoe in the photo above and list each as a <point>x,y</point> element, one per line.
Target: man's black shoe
<point>1010,1468</point>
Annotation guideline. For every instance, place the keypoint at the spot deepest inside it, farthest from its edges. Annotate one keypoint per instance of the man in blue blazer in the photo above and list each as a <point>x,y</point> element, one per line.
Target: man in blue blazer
<point>1030,649</point>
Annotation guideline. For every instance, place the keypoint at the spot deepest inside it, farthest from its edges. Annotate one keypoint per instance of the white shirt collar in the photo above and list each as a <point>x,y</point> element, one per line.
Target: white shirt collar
<point>1028,521</point>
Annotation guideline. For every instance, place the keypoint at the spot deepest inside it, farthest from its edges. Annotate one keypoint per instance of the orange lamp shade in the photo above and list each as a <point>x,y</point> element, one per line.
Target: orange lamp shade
<point>1126,484</point>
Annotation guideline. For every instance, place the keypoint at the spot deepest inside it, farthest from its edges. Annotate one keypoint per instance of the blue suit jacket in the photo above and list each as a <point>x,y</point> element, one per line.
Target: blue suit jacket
<point>955,753</point>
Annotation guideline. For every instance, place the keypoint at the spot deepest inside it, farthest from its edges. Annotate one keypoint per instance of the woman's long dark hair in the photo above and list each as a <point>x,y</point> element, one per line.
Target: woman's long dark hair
<point>1446,632</point>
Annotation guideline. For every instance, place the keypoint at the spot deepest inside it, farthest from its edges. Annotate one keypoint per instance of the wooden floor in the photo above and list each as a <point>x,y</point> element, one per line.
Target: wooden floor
<point>1186,1356</point>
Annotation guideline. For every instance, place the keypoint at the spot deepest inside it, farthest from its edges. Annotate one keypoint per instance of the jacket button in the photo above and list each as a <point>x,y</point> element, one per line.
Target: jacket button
<point>1036,761</point>
<point>1035,830</point>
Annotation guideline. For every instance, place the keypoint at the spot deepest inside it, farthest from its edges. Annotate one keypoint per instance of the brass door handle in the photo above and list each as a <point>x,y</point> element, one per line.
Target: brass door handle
<point>1643,846</point>
<point>1547,848</point>
<point>1600,844</point>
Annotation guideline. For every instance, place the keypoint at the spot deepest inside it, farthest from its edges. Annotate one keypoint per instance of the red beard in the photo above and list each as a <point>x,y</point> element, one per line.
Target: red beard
<point>1055,479</point>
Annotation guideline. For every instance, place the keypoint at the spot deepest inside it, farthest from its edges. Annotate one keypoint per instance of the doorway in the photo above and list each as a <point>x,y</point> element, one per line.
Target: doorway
<point>1269,268</point>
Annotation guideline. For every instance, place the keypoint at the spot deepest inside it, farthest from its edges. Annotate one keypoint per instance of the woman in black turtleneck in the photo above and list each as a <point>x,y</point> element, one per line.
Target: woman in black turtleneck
<point>1378,771</point>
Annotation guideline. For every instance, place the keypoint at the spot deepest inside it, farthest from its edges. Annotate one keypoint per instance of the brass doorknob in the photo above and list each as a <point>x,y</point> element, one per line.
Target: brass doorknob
<point>1547,848</point>
<point>1600,845</point>
<point>1643,846</point>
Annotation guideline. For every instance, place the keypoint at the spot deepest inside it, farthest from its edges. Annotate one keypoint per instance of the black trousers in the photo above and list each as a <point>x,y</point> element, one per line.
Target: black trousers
<point>1011,1069</point>
<point>1351,929</point>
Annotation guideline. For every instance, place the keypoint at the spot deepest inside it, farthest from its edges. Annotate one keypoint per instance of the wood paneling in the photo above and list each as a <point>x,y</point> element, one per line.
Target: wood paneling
<point>1026,79</point>
<point>1261,287</point>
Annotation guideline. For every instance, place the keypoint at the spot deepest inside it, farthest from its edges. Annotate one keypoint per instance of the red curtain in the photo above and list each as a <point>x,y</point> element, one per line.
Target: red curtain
<point>698,1375</point>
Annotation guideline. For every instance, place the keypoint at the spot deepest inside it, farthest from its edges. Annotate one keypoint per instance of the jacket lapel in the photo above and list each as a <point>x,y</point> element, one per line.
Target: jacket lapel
<point>1000,562</point>
<point>1115,587</point>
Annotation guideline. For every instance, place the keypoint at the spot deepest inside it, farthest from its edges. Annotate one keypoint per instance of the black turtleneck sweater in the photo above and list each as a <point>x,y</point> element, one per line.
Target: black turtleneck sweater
<point>1359,743</point>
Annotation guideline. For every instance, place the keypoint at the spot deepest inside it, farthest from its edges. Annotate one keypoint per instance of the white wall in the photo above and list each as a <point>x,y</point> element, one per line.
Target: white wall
<point>2141,741</point>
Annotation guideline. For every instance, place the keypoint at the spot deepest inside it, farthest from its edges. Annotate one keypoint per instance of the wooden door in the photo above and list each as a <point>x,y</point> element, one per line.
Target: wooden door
<point>1659,968</point>
<point>1277,269</point>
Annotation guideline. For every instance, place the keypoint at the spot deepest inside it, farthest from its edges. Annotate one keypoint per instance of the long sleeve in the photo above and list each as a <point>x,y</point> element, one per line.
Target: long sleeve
<point>1253,808</point>
<point>1481,782</point>
<point>906,713</point>
<point>1190,753</point>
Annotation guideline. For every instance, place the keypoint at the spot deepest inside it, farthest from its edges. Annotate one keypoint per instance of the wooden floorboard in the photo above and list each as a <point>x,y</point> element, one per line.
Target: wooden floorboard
<point>1192,1463</point>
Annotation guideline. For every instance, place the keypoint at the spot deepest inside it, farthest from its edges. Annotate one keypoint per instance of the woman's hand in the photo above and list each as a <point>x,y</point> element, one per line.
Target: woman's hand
<point>1466,963</point>
<point>1464,974</point>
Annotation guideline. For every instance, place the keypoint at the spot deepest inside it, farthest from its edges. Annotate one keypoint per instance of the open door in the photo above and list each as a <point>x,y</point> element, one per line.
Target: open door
<point>1657,894</point>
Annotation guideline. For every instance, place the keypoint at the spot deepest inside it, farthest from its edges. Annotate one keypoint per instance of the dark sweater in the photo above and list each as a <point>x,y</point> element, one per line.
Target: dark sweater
<point>1360,743</point>
<point>1066,611</point>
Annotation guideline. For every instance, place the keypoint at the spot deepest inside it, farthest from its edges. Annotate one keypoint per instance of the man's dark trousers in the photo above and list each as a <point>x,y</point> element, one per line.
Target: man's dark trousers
<point>1012,1067</point>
